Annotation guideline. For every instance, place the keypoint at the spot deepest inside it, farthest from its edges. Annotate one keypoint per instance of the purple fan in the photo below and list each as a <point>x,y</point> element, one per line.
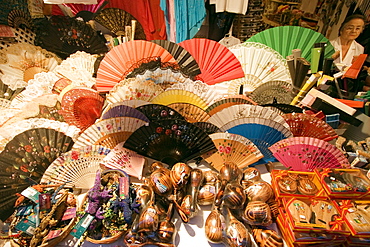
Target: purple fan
<point>124,111</point>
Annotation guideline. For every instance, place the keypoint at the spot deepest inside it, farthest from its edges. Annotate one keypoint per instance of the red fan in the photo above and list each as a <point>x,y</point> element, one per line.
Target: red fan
<point>93,8</point>
<point>124,58</point>
<point>81,106</point>
<point>308,153</point>
<point>307,125</point>
<point>217,63</point>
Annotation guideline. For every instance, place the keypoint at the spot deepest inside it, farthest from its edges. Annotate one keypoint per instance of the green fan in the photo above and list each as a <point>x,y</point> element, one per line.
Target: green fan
<point>286,38</point>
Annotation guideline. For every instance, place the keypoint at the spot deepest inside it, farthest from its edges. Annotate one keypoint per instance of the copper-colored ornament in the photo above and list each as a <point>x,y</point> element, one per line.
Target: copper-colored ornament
<point>258,213</point>
<point>179,174</point>
<point>267,238</point>
<point>234,196</point>
<point>259,191</point>
<point>190,201</point>
<point>160,179</point>
<point>214,226</point>
<point>306,186</point>
<point>236,233</point>
<point>287,185</point>
<point>252,174</point>
<point>166,229</point>
<point>209,189</point>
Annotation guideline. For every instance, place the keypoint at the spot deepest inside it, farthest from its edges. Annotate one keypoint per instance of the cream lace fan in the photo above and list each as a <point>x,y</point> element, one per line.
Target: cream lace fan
<point>78,68</point>
<point>77,168</point>
<point>260,64</point>
<point>24,61</point>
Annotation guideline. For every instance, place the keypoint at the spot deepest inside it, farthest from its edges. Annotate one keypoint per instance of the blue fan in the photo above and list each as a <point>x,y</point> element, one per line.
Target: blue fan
<point>262,132</point>
<point>124,111</point>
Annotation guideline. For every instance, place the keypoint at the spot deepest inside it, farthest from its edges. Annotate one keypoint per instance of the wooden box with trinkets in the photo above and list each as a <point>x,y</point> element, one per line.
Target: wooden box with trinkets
<point>344,183</point>
<point>297,184</point>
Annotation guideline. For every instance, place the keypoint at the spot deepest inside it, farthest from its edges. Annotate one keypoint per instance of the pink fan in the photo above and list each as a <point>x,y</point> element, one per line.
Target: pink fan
<point>126,160</point>
<point>308,153</point>
<point>216,62</point>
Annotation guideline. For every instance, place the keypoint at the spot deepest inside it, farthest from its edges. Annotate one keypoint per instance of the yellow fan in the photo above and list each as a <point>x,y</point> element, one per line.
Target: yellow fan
<point>179,96</point>
<point>190,112</point>
<point>24,60</point>
<point>232,148</point>
<point>130,89</point>
<point>109,132</point>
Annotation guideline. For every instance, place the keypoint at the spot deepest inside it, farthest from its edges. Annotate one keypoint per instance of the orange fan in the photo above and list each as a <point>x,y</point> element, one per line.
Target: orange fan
<point>216,62</point>
<point>81,106</point>
<point>307,125</point>
<point>191,113</point>
<point>124,58</point>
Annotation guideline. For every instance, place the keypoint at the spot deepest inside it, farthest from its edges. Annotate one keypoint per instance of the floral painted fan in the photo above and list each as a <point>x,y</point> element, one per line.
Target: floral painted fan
<point>307,125</point>
<point>126,160</point>
<point>232,148</point>
<point>225,102</point>
<point>286,38</point>
<point>233,112</point>
<point>121,110</point>
<point>187,63</point>
<point>159,112</point>
<point>273,91</point>
<point>179,96</point>
<point>78,68</point>
<point>24,60</point>
<point>170,141</point>
<point>262,132</point>
<point>76,168</point>
<point>129,89</point>
<point>24,160</point>
<point>260,64</point>
<point>308,153</point>
<point>215,61</point>
<point>190,112</point>
<point>81,106</point>
<point>124,58</point>
<point>109,132</point>
<point>65,35</point>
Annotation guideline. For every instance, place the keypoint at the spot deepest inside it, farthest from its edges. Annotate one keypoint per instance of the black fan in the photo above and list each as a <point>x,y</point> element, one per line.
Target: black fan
<point>159,112</point>
<point>64,35</point>
<point>7,93</point>
<point>170,141</point>
<point>285,108</point>
<point>24,160</point>
<point>207,127</point>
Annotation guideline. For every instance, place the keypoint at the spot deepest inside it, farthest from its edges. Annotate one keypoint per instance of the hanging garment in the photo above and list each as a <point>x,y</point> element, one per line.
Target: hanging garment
<point>231,6</point>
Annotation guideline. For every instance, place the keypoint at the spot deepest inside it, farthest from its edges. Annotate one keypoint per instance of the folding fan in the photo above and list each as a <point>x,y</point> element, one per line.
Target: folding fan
<point>262,132</point>
<point>132,103</point>
<point>286,38</point>
<point>25,60</point>
<point>129,89</point>
<point>207,127</point>
<point>126,160</point>
<point>78,68</point>
<point>199,88</point>
<point>65,35</point>
<point>4,103</point>
<point>116,20</point>
<point>184,59</point>
<point>18,18</point>
<point>224,102</point>
<point>9,92</point>
<point>179,96</point>
<point>159,112</point>
<point>93,8</point>
<point>284,108</point>
<point>123,58</point>
<point>190,112</point>
<point>77,168</point>
<point>279,91</point>
<point>170,141</point>
<point>165,77</point>
<point>258,61</point>
<point>232,148</point>
<point>124,111</point>
<point>215,61</point>
<point>233,112</point>
<point>24,160</point>
<point>36,8</point>
<point>109,132</point>
<point>308,153</point>
<point>307,125</point>
<point>81,106</point>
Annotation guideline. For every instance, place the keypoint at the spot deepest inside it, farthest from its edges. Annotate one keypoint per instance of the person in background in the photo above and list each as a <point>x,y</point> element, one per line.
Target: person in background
<point>346,47</point>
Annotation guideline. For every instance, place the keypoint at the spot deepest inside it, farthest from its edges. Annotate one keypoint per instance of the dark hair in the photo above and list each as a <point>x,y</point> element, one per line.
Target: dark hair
<point>350,18</point>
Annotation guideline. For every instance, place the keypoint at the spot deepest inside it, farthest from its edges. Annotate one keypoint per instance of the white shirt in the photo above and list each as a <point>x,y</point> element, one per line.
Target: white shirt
<point>231,6</point>
<point>354,50</point>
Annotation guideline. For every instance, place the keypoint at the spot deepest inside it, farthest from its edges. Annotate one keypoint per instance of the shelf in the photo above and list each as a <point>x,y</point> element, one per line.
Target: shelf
<point>290,3</point>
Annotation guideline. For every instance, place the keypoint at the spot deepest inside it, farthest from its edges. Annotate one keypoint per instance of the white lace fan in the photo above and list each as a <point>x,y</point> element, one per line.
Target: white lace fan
<point>77,168</point>
<point>258,61</point>
<point>79,68</point>
<point>232,148</point>
<point>233,112</point>
<point>109,132</point>
<point>25,60</point>
<point>126,160</point>
<point>130,89</point>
